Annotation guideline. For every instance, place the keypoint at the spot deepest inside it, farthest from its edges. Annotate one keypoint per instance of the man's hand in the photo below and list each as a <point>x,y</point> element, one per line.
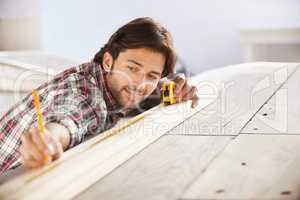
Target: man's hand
<point>184,91</point>
<point>36,147</point>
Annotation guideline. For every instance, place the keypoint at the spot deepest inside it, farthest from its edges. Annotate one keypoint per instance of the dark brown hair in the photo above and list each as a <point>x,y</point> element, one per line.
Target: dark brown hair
<point>141,33</point>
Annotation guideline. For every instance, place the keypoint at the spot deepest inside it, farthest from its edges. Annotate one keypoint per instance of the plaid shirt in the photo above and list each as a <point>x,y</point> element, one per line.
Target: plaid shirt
<point>77,98</point>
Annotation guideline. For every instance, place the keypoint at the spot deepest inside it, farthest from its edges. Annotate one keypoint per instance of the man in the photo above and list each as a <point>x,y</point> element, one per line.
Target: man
<point>123,78</point>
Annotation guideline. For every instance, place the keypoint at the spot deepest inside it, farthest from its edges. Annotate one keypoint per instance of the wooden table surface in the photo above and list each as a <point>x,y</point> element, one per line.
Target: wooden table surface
<point>245,145</point>
<point>218,155</point>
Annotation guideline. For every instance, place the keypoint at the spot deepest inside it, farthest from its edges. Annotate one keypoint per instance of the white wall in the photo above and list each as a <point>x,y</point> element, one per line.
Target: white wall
<point>20,24</point>
<point>19,8</point>
<point>206,32</point>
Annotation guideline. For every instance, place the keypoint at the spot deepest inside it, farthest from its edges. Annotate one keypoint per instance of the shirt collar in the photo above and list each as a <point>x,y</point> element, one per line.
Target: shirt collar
<point>100,76</point>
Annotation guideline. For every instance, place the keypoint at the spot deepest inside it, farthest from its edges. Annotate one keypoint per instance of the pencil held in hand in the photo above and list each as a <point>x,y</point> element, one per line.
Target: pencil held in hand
<point>41,127</point>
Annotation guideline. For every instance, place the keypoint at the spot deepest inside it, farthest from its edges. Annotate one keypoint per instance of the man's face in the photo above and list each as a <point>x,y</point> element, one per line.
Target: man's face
<point>134,75</point>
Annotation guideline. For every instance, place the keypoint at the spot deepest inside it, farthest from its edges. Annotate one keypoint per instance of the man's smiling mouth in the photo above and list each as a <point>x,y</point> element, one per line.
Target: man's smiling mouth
<point>130,96</point>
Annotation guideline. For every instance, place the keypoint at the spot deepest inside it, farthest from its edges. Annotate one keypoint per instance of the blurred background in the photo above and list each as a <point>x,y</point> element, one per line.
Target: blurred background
<point>51,35</point>
<point>207,33</point>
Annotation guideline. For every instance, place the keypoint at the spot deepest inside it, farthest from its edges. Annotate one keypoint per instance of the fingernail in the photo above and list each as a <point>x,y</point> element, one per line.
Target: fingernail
<point>194,105</point>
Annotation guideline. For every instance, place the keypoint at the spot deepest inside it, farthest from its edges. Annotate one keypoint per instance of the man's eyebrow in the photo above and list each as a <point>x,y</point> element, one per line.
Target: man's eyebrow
<point>135,62</point>
<point>155,72</point>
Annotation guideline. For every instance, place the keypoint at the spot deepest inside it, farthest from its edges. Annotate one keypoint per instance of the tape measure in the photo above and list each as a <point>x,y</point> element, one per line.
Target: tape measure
<point>168,93</point>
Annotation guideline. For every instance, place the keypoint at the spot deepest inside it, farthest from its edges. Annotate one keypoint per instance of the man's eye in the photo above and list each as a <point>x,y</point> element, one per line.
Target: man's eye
<point>152,77</point>
<point>133,69</point>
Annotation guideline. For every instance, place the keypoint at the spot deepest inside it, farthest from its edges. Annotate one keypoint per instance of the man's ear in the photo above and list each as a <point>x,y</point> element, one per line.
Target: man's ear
<point>107,61</point>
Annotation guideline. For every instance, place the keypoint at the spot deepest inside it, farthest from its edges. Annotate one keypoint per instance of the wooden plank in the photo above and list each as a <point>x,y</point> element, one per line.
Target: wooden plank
<point>110,153</point>
<point>161,171</point>
<point>241,90</point>
<point>252,167</point>
<point>63,179</point>
<point>281,114</point>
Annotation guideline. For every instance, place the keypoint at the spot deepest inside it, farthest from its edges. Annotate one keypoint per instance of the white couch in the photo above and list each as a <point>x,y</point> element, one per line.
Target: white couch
<point>22,71</point>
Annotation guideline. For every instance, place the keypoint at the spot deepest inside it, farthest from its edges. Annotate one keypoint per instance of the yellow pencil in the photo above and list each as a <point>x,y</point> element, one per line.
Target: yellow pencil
<point>41,128</point>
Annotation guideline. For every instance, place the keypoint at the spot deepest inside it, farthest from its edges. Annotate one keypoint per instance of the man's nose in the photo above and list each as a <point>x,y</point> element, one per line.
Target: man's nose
<point>140,85</point>
<point>139,79</point>
<point>140,89</point>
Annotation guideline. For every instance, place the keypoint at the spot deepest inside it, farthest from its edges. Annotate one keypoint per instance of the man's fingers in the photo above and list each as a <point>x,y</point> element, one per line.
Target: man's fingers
<point>195,101</point>
<point>30,164</point>
<point>179,96</point>
<point>40,142</point>
<point>27,159</point>
<point>38,150</point>
<point>24,154</point>
<point>190,93</point>
<point>179,83</point>
<point>31,149</point>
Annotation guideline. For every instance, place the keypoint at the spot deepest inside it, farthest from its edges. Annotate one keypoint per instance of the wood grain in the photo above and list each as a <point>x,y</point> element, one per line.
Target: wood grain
<point>252,167</point>
<point>64,178</point>
<point>161,171</point>
<point>281,114</point>
<point>241,91</point>
<point>89,162</point>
